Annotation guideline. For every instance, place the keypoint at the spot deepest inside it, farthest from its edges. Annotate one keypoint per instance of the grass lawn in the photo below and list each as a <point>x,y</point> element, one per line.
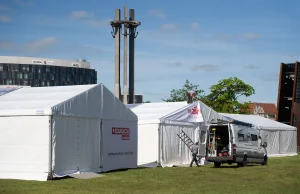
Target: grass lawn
<point>282,175</point>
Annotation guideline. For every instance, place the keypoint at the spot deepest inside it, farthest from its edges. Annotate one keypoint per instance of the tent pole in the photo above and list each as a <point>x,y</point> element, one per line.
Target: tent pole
<point>101,146</point>
<point>50,176</point>
<point>159,138</point>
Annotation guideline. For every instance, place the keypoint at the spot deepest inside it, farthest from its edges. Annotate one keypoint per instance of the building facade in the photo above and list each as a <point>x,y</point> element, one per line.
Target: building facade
<point>267,110</point>
<point>38,72</point>
<point>288,94</point>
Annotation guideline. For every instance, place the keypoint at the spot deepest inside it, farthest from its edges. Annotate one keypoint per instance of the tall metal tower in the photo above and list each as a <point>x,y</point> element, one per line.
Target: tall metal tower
<point>130,25</point>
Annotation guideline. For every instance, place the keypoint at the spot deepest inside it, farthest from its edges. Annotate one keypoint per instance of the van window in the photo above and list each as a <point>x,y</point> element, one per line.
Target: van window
<point>254,137</point>
<point>254,140</point>
<point>203,137</point>
<point>241,137</point>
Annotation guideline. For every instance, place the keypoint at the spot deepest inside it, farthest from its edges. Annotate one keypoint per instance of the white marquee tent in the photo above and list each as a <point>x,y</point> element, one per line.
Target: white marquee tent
<point>281,138</point>
<point>57,131</point>
<point>158,126</point>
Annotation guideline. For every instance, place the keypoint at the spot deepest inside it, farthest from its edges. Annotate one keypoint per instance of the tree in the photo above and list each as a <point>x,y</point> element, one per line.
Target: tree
<point>178,95</point>
<point>224,96</point>
<point>147,101</point>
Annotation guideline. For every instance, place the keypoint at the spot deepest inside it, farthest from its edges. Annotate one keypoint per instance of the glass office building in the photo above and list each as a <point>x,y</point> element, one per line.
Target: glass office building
<point>26,71</point>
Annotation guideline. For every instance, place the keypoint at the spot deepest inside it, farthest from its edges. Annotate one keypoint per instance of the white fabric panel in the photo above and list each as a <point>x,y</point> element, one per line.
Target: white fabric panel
<point>195,112</point>
<point>113,108</point>
<point>24,147</point>
<point>89,145</point>
<point>76,145</point>
<point>173,150</point>
<point>261,122</point>
<point>97,102</point>
<point>26,101</point>
<point>272,138</point>
<point>189,113</point>
<point>286,137</point>
<point>147,144</point>
<point>65,154</point>
<point>152,112</point>
<point>119,152</point>
<point>89,101</point>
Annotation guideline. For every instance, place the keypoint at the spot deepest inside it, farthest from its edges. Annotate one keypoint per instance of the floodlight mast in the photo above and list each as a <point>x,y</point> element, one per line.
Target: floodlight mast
<point>131,25</point>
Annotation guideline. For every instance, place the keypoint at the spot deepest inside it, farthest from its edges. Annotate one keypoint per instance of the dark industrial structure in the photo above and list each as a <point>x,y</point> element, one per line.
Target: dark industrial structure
<point>130,25</point>
<point>288,95</point>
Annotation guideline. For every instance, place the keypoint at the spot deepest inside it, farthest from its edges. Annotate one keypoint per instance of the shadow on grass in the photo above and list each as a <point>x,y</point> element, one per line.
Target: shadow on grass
<point>236,166</point>
<point>107,172</point>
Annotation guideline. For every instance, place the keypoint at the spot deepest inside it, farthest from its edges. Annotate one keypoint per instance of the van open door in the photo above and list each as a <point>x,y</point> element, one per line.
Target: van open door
<point>203,140</point>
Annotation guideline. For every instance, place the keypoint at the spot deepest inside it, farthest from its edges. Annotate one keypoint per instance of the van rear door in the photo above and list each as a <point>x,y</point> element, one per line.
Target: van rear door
<point>203,140</point>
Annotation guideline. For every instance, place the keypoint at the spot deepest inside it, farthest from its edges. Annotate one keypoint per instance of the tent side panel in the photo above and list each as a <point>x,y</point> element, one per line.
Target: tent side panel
<point>64,157</point>
<point>147,144</point>
<point>84,105</point>
<point>273,140</point>
<point>24,147</point>
<point>173,150</point>
<point>89,145</point>
<point>119,144</point>
<point>288,142</point>
<point>76,143</point>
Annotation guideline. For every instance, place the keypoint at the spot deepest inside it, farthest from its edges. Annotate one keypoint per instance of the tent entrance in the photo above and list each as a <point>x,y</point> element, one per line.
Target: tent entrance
<point>218,141</point>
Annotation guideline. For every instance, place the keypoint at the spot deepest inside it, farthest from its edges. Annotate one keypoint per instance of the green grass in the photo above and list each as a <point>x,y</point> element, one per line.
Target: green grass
<point>282,175</point>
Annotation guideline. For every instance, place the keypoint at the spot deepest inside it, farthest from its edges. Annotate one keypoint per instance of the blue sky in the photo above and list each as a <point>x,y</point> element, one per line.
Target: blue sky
<point>202,41</point>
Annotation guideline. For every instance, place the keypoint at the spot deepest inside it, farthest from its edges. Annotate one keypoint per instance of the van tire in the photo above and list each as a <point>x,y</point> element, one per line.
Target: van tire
<point>217,164</point>
<point>245,161</point>
<point>265,162</point>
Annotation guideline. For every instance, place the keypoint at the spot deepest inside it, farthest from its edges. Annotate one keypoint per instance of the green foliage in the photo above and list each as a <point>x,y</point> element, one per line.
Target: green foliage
<point>147,101</point>
<point>178,95</point>
<point>224,96</point>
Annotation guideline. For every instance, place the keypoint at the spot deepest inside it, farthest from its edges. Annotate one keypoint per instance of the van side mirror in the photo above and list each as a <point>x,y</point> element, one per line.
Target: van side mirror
<point>265,145</point>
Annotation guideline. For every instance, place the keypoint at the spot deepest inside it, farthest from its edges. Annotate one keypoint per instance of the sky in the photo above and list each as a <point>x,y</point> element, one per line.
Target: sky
<point>202,41</point>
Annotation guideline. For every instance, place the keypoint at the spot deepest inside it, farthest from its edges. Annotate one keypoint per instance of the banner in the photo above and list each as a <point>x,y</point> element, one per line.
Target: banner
<point>190,113</point>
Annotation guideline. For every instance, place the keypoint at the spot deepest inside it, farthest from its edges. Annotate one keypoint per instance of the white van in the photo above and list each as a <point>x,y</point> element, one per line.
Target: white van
<point>232,143</point>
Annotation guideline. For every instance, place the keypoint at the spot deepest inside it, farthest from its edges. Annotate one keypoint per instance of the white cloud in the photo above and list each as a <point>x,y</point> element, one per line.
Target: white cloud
<point>80,15</point>
<point>97,22</point>
<point>252,67</point>
<point>5,44</point>
<point>195,26</point>
<point>169,27</point>
<point>3,8</point>
<point>42,43</point>
<point>158,13</point>
<point>175,64</point>
<point>248,36</point>
<point>206,67</point>
<point>5,18</point>
<point>23,3</point>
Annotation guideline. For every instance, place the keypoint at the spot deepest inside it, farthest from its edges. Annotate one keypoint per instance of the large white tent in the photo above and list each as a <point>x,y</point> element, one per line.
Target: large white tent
<point>281,138</point>
<point>158,127</point>
<point>57,131</point>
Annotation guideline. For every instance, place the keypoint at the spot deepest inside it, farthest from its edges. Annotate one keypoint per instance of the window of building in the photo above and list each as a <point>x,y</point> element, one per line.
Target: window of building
<point>20,75</point>
<point>1,67</point>
<point>8,82</point>
<point>25,68</point>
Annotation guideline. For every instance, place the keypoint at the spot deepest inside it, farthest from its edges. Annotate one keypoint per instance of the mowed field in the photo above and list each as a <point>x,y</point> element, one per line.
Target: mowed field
<point>282,175</point>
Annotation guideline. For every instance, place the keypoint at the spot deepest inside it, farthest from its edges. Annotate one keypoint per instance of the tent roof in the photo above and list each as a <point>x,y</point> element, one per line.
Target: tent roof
<point>152,112</point>
<point>91,101</point>
<point>261,122</point>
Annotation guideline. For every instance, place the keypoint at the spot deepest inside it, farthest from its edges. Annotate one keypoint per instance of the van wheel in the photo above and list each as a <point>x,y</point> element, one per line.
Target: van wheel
<point>245,161</point>
<point>217,164</point>
<point>265,162</point>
